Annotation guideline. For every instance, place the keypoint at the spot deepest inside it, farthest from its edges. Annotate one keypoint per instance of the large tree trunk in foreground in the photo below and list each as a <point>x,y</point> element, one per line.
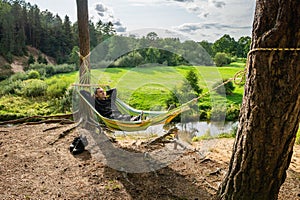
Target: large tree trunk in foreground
<point>84,39</point>
<point>270,112</point>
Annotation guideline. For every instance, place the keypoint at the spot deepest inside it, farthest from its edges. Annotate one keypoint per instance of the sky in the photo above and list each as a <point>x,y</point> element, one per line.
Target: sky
<point>187,19</point>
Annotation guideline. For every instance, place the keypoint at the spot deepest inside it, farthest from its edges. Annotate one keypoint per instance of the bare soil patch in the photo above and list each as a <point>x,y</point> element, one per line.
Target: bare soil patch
<point>35,164</point>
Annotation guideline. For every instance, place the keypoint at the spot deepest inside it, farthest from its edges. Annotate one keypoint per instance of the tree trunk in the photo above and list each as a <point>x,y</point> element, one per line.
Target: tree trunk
<point>270,113</point>
<point>84,40</point>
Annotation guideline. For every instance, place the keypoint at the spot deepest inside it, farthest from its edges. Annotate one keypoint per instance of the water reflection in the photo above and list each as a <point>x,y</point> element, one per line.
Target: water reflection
<point>198,128</point>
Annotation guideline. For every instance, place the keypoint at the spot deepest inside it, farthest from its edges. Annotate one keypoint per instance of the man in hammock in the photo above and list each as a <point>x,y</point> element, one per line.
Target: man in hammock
<point>105,104</point>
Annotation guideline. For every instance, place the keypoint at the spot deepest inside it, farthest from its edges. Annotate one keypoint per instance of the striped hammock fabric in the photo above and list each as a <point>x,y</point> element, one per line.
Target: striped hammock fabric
<point>153,117</point>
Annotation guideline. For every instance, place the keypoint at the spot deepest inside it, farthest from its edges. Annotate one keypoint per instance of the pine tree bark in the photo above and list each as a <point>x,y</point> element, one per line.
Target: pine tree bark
<point>84,39</point>
<point>270,112</point>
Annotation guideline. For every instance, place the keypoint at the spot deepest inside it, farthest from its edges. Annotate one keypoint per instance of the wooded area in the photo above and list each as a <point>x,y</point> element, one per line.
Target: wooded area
<point>23,24</point>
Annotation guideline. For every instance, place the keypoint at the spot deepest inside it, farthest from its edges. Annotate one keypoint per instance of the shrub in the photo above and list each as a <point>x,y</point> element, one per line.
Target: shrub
<point>13,87</point>
<point>6,71</point>
<point>63,103</point>
<point>41,68</point>
<point>30,60</point>
<point>57,89</point>
<point>192,78</point>
<point>33,74</point>
<point>228,87</point>
<point>130,60</point>
<point>221,59</point>
<point>232,112</point>
<point>34,88</point>
<point>64,68</point>
<point>18,76</point>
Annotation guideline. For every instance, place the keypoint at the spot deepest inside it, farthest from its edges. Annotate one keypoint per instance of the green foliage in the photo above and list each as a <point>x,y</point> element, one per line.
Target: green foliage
<point>74,57</point>
<point>221,59</point>
<point>34,88</point>
<point>50,70</point>
<point>31,60</point>
<point>225,44</point>
<point>6,71</point>
<point>63,103</point>
<point>232,112</point>
<point>192,78</point>
<point>33,74</point>
<point>57,89</point>
<point>229,87</point>
<point>14,107</point>
<point>57,98</point>
<point>11,87</point>
<point>132,59</point>
<point>42,60</point>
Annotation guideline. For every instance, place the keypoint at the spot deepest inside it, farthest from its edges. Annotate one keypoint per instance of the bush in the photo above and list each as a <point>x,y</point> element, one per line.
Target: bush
<point>63,103</point>
<point>221,59</point>
<point>232,112</point>
<point>6,71</point>
<point>34,88</point>
<point>14,87</point>
<point>50,70</point>
<point>30,60</point>
<point>130,60</point>
<point>33,74</point>
<point>41,68</point>
<point>18,76</point>
<point>57,89</point>
<point>64,68</point>
<point>229,88</point>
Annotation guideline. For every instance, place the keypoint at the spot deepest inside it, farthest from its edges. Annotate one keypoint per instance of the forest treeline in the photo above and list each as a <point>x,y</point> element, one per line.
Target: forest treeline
<point>23,24</point>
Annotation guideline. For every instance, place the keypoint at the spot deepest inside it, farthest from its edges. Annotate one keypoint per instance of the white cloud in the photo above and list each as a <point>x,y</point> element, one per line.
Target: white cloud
<point>215,17</point>
<point>106,14</point>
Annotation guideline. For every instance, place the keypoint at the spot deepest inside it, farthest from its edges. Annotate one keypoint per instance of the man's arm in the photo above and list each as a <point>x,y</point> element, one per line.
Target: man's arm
<point>112,94</point>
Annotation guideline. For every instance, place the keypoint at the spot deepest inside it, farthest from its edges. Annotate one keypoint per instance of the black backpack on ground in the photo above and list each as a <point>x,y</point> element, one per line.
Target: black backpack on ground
<point>77,146</point>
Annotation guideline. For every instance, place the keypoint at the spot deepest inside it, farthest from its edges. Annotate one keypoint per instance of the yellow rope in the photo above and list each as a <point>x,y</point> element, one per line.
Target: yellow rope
<point>273,49</point>
<point>85,64</point>
<point>242,73</point>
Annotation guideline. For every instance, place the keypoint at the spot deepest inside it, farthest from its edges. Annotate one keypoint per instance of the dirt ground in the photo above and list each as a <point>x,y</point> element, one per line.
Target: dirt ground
<point>36,164</point>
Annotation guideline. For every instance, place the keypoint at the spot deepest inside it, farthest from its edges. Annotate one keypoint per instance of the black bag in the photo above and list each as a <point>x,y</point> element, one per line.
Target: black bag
<point>77,146</point>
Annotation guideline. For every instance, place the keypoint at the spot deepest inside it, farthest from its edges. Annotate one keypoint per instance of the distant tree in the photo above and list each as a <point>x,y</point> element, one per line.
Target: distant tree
<point>221,59</point>
<point>208,47</point>
<point>152,55</point>
<point>152,36</point>
<point>74,57</point>
<point>243,46</point>
<point>31,60</point>
<point>192,79</point>
<point>225,44</point>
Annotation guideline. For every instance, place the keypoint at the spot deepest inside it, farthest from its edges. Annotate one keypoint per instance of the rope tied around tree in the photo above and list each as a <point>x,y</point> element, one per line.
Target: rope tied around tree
<point>242,74</point>
<point>85,76</point>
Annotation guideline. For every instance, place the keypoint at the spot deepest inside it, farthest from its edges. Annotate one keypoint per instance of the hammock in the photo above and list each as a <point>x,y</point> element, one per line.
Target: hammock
<point>154,117</point>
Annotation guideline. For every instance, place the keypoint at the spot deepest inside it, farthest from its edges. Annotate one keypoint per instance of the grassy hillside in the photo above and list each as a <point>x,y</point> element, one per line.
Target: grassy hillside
<point>143,88</point>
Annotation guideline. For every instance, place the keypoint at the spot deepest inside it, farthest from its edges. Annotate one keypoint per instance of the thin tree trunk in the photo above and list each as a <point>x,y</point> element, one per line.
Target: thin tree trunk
<point>270,113</point>
<point>84,40</point>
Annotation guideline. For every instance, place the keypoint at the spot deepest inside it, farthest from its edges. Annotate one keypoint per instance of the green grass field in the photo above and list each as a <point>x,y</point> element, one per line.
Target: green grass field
<point>148,87</point>
<point>144,88</point>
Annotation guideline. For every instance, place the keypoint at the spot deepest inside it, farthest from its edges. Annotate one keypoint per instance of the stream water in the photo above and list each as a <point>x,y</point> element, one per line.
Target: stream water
<point>198,128</point>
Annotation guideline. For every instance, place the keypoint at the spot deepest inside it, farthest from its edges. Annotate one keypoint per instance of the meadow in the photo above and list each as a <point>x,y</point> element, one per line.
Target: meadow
<point>144,88</point>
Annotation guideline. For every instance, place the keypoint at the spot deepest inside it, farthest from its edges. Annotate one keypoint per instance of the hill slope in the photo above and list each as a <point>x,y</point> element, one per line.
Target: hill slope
<point>19,62</point>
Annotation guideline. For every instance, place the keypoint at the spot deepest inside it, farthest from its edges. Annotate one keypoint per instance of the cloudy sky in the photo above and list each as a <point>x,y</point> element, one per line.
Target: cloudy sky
<point>192,19</point>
